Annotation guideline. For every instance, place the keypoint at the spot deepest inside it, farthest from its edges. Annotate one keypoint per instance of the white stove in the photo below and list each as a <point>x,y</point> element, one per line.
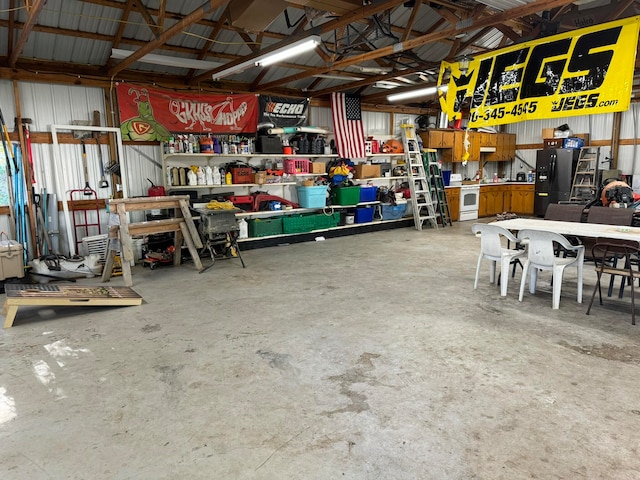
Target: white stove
<point>469,202</point>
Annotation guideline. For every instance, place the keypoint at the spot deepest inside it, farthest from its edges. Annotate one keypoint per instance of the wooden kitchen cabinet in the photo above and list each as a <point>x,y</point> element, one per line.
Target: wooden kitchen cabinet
<point>488,139</point>
<point>453,199</point>
<point>494,199</point>
<point>474,146</point>
<point>505,144</point>
<point>438,138</point>
<point>522,197</point>
<point>509,151</point>
<point>451,145</point>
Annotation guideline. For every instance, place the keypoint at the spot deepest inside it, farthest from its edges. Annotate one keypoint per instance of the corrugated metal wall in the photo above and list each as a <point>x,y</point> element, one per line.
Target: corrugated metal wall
<point>61,104</point>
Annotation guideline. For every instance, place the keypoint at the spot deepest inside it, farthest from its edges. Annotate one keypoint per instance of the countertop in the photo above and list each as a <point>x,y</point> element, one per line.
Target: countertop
<point>490,184</point>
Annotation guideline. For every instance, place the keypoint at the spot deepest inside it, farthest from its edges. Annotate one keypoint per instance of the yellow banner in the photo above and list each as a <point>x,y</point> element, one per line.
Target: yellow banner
<point>581,72</point>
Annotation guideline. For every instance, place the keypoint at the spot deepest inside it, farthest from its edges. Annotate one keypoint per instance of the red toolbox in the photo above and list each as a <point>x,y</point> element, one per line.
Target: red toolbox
<point>245,202</point>
<point>241,175</point>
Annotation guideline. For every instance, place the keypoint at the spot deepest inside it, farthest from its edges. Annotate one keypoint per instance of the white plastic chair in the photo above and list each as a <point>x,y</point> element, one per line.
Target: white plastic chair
<point>491,248</point>
<point>541,256</point>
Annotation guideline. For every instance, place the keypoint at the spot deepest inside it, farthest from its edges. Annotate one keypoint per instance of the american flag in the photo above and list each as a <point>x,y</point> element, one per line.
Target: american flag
<point>347,125</point>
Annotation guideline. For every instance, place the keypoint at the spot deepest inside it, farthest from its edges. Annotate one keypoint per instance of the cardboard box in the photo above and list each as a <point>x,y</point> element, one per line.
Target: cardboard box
<point>318,167</point>
<point>367,171</point>
<point>11,259</point>
<point>547,133</point>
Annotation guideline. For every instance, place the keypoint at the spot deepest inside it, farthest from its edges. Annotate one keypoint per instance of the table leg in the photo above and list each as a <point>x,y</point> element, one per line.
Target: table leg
<point>10,314</point>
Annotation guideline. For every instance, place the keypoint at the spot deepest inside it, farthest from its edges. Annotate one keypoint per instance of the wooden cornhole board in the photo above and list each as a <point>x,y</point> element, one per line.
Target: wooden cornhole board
<point>65,295</point>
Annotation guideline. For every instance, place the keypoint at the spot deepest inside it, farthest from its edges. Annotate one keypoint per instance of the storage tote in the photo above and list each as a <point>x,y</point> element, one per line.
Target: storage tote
<point>368,193</point>
<point>307,223</point>
<point>262,227</point>
<point>312,197</point>
<point>393,212</point>
<point>364,214</point>
<point>345,195</point>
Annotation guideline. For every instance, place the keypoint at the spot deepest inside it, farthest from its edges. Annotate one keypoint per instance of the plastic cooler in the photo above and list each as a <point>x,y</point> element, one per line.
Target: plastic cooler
<point>345,195</point>
<point>312,197</point>
<point>11,259</point>
<point>368,193</point>
<point>364,214</point>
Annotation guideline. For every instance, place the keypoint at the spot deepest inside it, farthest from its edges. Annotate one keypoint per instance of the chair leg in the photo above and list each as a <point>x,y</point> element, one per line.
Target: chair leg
<point>533,280</point>
<point>492,272</point>
<point>595,289</point>
<point>475,283</point>
<point>633,302</point>
<point>504,276</point>
<point>557,286</point>
<point>516,262</point>
<point>579,268</point>
<point>523,281</point>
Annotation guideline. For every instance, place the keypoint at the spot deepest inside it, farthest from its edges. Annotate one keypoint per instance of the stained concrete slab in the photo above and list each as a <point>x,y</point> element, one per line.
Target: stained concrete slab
<point>362,357</point>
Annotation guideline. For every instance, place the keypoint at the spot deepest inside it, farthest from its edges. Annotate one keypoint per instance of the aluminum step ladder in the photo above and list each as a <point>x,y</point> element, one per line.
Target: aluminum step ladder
<point>438,193</point>
<point>585,179</point>
<point>421,199</point>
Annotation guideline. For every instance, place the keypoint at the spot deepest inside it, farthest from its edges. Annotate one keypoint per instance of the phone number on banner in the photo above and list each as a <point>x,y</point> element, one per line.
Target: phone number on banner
<point>502,112</point>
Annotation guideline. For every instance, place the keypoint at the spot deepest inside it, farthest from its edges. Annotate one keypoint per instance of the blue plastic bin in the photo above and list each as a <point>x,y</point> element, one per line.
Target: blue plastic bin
<point>364,215</point>
<point>312,197</point>
<point>446,177</point>
<point>368,193</point>
<point>393,212</point>
<point>573,142</point>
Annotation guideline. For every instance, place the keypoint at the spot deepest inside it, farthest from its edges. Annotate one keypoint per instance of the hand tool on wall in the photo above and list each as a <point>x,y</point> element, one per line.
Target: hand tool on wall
<point>88,191</point>
<point>8,152</point>
<point>6,140</point>
<point>96,123</point>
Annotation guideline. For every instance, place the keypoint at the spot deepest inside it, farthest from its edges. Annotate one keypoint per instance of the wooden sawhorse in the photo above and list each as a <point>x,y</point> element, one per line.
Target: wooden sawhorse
<point>181,224</point>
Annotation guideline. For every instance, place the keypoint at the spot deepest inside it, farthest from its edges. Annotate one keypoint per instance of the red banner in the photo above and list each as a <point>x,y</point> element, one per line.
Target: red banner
<point>150,114</point>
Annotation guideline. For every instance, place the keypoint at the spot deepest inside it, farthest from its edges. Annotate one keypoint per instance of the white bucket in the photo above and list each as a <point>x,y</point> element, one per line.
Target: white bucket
<point>136,246</point>
<point>349,219</point>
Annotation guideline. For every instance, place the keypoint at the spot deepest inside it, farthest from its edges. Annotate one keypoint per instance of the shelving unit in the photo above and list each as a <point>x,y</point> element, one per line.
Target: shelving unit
<point>584,185</point>
<point>286,186</point>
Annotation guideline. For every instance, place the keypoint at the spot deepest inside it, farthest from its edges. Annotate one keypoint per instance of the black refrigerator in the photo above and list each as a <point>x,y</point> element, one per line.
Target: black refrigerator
<point>555,169</point>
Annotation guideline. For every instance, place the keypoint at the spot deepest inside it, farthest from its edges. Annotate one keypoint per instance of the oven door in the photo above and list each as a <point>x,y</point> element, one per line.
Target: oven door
<point>469,202</point>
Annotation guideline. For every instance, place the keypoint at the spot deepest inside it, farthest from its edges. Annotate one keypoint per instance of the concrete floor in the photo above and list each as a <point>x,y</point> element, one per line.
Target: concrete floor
<point>362,357</point>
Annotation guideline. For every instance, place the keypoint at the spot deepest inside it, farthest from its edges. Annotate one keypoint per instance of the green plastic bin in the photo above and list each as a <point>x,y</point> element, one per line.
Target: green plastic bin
<point>307,223</point>
<point>345,195</point>
<point>263,227</point>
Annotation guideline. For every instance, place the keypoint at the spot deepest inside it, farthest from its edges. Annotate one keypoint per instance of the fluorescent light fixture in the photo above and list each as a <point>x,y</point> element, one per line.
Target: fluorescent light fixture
<point>386,84</point>
<point>379,70</point>
<point>179,62</point>
<point>421,92</point>
<point>278,55</point>
<point>291,50</point>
